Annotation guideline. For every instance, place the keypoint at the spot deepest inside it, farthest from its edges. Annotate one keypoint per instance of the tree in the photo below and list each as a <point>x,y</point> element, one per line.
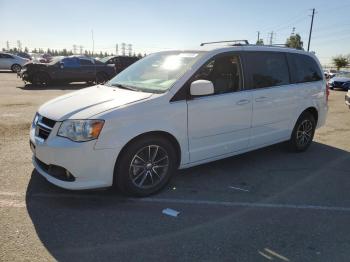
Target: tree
<point>294,41</point>
<point>260,42</point>
<point>26,50</point>
<point>340,61</point>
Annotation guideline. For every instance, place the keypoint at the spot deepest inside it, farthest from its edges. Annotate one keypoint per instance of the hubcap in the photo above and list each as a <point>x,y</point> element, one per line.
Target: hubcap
<point>304,132</point>
<point>149,166</point>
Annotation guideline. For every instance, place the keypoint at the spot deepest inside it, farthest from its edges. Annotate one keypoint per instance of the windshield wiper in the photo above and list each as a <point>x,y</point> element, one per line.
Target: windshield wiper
<point>125,87</point>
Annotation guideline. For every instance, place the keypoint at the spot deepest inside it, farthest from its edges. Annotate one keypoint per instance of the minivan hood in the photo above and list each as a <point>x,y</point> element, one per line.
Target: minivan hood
<point>88,102</point>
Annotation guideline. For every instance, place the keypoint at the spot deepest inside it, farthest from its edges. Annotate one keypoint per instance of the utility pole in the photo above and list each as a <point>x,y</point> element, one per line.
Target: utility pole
<point>312,23</point>
<point>293,31</point>
<point>258,37</point>
<point>116,49</point>
<point>81,49</point>
<point>129,49</point>
<point>271,37</point>
<point>19,45</point>
<point>7,45</point>
<point>74,49</point>
<point>123,49</point>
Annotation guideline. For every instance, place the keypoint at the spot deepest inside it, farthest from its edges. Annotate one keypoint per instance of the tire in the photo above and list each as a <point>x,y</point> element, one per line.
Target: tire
<point>303,133</point>
<point>139,175</point>
<point>16,68</point>
<point>41,79</point>
<point>101,78</point>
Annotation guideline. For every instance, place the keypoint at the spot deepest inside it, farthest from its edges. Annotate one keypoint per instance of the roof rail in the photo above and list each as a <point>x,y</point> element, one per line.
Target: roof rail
<point>235,42</point>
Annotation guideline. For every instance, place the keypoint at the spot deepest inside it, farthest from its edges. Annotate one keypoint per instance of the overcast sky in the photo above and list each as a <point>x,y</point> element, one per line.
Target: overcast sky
<point>158,25</point>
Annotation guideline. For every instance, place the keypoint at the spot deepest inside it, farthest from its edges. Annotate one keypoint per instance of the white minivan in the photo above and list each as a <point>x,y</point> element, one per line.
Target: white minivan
<point>178,109</point>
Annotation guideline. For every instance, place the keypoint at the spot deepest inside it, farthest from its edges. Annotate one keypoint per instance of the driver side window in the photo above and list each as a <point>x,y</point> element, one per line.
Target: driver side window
<point>224,71</point>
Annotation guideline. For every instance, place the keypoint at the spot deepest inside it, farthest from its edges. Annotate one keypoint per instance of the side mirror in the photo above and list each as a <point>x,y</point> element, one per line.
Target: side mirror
<point>201,88</point>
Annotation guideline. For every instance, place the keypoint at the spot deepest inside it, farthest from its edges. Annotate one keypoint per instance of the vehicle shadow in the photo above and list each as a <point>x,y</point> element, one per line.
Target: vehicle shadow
<point>105,226</point>
<point>71,86</point>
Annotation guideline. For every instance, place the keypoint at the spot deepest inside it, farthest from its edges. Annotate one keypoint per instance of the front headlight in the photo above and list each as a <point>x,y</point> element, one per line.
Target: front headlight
<point>81,130</point>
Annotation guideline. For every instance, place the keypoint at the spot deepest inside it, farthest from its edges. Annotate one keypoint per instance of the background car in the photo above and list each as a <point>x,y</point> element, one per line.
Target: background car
<point>120,62</point>
<point>13,62</point>
<point>341,81</point>
<point>24,55</point>
<point>67,70</point>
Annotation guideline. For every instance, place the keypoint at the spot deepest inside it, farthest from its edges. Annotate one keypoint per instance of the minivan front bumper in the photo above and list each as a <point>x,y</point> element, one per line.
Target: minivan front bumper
<point>75,165</point>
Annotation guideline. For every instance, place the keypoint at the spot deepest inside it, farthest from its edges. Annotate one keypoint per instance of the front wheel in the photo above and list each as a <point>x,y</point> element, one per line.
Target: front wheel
<point>146,166</point>
<point>303,132</point>
<point>16,68</point>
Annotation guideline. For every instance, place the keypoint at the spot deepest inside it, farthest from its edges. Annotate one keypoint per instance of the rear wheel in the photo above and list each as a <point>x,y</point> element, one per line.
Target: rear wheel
<point>40,79</point>
<point>146,166</point>
<point>303,132</point>
<point>16,68</point>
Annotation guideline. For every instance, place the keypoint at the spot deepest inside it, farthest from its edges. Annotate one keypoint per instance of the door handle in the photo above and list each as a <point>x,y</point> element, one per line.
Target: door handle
<point>261,99</point>
<point>243,102</point>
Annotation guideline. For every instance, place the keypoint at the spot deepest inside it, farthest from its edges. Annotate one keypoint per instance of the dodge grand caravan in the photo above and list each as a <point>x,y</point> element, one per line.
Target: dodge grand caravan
<point>178,109</point>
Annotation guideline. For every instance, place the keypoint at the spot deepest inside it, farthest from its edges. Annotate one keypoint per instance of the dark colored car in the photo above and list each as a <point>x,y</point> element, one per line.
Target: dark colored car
<point>120,62</point>
<point>341,81</point>
<point>67,70</point>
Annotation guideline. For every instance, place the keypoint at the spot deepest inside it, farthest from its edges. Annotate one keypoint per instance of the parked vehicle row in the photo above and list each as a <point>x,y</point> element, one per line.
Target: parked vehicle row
<point>67,70</point>
<point>178,109</point>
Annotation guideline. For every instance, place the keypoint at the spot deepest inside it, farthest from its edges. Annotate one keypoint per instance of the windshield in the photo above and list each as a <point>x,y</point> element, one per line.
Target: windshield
<point>105,59</point>
<point>157,72</point>
<point>55,60</point>
<point>344,75</point>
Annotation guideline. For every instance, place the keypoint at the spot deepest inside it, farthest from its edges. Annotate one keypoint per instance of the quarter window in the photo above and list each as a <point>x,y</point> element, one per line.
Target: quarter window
<point>304,68</point>
<point>267,69</point>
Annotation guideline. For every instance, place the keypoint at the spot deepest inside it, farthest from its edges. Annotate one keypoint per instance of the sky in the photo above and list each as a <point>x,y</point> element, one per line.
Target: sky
<point>155,25</point>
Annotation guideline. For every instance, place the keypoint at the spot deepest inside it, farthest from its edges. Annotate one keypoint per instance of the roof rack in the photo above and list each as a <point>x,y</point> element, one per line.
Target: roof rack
<point>235,42</point>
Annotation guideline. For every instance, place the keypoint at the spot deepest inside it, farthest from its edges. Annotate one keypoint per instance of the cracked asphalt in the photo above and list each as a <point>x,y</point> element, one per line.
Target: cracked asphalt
<point>266,205</point>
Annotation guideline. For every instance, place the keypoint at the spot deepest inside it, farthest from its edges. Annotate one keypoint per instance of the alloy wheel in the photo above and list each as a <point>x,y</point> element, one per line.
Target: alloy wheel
<point>304,132</point>
<point>149,166</point>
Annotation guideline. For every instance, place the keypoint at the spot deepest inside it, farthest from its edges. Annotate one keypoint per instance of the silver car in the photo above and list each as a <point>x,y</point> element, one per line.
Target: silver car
<point>12,62</point>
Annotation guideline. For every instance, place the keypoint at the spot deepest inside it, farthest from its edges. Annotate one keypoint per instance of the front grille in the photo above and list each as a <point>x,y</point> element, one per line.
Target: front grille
<point>44,127</point>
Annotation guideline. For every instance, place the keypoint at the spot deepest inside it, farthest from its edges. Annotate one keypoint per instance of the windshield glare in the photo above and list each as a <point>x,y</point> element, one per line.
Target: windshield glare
<point>157,72</point>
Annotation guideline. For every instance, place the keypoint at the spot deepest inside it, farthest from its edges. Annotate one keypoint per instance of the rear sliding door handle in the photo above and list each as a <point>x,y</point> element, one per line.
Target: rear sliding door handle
<point>243,102</point>
<point>261,99</point>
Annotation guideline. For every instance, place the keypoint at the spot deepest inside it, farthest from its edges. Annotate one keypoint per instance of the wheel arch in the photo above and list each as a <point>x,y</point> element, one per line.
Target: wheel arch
<point>163,134</point>
<point>313,111</point>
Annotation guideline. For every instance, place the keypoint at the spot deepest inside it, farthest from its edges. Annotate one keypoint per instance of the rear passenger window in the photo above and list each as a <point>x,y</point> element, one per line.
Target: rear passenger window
<point>304,68</point>
<point>267,69</point>
<point>85,62</point>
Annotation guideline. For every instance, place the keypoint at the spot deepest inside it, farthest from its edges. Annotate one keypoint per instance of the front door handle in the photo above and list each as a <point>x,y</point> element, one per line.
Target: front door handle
<point>243,102</point>
<point>261,99</point>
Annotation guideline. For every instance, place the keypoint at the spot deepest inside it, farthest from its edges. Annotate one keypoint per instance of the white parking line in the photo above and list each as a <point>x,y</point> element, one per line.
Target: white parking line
<point>21,203</point>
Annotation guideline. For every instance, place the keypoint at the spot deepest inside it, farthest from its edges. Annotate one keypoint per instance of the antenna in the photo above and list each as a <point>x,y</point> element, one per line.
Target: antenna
<point>93,42</point>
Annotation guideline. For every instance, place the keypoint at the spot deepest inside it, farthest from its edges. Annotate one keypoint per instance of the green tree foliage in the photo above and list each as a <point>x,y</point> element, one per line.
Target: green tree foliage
<point>294,41</point>
<point>340,61</point>
<point>260,42</point>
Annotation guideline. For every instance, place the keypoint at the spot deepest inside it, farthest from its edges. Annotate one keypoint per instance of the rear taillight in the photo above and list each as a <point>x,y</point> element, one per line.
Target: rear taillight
<point>327,91</point>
